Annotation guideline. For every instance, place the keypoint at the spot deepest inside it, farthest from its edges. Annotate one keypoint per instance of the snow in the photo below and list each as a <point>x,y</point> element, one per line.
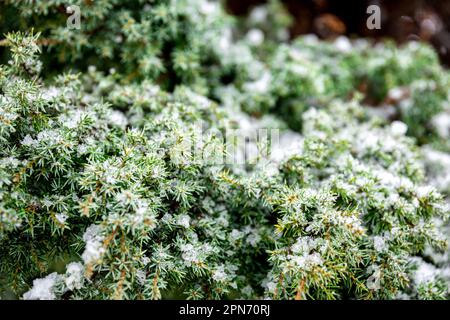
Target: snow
<point>441,122</point>
<point>343,44</point>
<point>141,276</point>
<point>184,220</point>
<point>189,254</point>
<point>61,217</point>
<point>258,15</point>
<point>28,141</point>
<point>219,274</point>
<point>118,119</point>
<point>399,128</point>
<point>261,85</point>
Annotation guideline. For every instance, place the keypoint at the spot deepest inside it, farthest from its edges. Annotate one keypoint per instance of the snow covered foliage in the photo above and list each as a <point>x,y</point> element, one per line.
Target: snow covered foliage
<point>121,180</point>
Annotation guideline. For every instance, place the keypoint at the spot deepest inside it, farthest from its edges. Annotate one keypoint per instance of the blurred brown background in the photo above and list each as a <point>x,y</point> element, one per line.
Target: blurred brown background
<point>401,20</point>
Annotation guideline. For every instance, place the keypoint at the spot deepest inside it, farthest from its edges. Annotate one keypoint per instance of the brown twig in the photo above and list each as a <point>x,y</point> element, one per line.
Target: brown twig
<point>155,290</point>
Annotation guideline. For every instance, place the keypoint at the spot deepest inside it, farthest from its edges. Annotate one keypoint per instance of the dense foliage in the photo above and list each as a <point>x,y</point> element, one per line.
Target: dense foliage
<point>119,179</point>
